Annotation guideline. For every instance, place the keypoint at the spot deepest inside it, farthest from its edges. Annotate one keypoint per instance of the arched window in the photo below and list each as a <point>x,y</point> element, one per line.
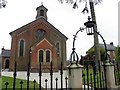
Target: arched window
<point>41,12</point>
<point>21,47</point>
<point>48,56</point>
<point>58,48</point>
<point>41,56</point>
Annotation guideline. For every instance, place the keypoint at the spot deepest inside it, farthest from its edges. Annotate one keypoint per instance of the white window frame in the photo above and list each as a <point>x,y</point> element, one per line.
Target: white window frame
<point>38,56</point>
<point>59,48</point>
<point>19,48</point>
<point>50,55</point>
<point>44,56</point>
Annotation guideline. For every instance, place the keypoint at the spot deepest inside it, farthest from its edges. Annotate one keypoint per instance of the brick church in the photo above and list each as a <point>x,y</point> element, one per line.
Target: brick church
<point>37,41</point>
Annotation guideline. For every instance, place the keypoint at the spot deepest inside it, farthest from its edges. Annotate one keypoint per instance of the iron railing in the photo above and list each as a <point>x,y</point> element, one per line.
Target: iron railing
<point>39,87</point>
<point>117,72</point>
<point>93,78</point>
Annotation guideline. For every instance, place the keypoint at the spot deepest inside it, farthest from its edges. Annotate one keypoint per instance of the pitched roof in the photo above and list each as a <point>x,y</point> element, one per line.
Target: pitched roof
<point>5,53</point>
<point>42,38</point>
<point>109,47</point>
<point>41,6</point>
<point>41,18</point>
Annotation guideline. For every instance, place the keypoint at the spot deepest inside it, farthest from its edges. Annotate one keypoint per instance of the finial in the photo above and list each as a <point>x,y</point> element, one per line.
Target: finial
<point>41,3</point>
<point>89,18</point>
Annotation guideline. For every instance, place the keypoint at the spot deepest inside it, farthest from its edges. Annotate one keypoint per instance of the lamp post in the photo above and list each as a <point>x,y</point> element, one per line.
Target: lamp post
<point>96,41</point>
<point>89,26</point>
<point>28,71</point>
<point>92,11</point>
<point>14,75</point>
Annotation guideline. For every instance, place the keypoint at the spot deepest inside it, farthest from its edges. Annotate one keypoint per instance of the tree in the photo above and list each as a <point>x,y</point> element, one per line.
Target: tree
<point>91,52</point>
<point>117,53</point>
<point>3,3</point>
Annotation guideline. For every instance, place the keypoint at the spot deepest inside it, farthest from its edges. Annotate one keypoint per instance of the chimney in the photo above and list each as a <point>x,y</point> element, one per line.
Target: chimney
<point>3,48</point>
<point>111,43</point>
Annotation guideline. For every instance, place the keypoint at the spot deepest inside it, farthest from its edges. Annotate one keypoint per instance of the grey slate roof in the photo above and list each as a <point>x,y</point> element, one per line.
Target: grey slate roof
<point>5,53</point>
<point>109,47</point>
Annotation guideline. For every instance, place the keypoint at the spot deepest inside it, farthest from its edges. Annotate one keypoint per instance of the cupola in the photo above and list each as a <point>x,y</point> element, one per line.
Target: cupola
<point>41,12</point>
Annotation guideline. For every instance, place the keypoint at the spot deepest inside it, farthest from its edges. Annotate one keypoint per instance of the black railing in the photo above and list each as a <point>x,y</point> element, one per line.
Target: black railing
<point>117,72</point>
<point>93,78</point>
<point>39,87</point>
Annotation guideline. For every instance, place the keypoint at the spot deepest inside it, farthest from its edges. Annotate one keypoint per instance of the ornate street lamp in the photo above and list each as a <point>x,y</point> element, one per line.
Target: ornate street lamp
<point>89,26</point>
<point>3,3</point>
<point>92,11</point>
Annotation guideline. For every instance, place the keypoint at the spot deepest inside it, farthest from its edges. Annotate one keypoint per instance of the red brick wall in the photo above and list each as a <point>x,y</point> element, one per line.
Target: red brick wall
<point>27,33</point>
<point>34,56</point>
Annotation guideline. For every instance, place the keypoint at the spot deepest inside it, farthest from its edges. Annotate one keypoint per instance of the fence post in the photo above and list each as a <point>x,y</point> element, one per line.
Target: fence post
<point>75,76</point>
<point>110,79</point>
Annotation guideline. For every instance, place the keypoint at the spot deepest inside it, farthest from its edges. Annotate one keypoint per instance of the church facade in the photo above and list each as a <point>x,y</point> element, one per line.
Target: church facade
<point>37,41</point>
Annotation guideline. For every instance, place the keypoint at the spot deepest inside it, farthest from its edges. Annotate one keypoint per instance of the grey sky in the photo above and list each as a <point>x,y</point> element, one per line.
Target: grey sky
<point>118,23</point>
<point>66,19</point>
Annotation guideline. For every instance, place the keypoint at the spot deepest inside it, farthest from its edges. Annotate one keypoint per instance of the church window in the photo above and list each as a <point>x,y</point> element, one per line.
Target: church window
<point>39,33</point>
<point>21,47</point>
<point>41,12</point>
<point>44,56</point>
<point>58,48</point>
<point>41,56</point>
<point>48,57</point>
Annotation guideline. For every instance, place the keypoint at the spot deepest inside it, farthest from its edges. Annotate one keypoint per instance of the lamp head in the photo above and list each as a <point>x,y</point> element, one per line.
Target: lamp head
<point>89,26</point>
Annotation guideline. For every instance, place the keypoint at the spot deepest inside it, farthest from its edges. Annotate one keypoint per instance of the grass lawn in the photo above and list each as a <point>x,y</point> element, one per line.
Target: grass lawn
<point>90,76</point>
<point>10,81</point>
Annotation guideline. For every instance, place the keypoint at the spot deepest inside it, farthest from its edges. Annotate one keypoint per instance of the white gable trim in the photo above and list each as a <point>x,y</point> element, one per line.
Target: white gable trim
<point>44,40</point>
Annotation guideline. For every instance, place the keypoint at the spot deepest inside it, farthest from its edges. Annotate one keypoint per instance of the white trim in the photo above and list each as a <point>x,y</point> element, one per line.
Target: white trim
<point>38,55</point>
<point>44,40</point>
<point>44,55</point>
<point>22,32</point>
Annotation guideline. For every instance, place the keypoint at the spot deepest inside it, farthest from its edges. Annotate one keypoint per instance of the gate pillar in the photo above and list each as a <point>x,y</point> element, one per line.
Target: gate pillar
<point>110,77</point>
<point>75,76</point>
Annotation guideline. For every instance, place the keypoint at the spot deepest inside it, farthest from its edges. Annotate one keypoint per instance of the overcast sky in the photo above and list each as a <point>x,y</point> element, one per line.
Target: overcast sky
<point>66,19</point>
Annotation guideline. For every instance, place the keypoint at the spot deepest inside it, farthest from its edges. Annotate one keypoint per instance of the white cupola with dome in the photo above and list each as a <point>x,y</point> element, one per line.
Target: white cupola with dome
<point>41,12</point>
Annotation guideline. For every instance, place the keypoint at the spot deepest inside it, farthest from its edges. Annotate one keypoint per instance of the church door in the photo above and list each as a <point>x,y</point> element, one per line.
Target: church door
<point>7,64</point>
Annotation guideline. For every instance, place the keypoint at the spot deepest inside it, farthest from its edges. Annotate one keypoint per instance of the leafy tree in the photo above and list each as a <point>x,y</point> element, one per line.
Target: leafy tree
<point>91,52</point>
<point>117,53</point>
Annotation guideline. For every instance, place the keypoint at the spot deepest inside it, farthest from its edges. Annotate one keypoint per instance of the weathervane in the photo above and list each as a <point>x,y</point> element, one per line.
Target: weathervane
<point>2,3</point>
